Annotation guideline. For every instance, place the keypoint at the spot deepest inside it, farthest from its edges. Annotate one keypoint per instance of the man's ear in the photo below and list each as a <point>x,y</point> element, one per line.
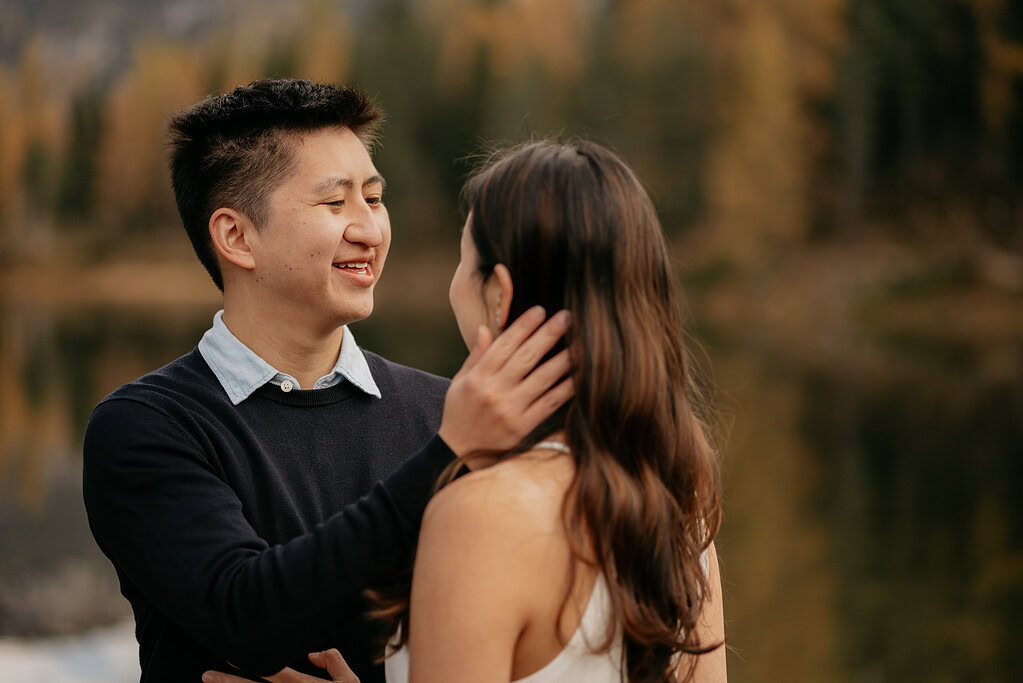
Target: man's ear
<point>498,293</point>
<point>231,232</point>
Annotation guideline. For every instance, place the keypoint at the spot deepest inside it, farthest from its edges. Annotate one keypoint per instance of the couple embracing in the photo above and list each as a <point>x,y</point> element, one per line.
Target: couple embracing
<point>548,515</point>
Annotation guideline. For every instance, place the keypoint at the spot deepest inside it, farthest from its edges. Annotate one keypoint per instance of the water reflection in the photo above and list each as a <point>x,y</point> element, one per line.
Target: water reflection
<point>873,531</point>
<point>926,520</point>
<point>56,364</point>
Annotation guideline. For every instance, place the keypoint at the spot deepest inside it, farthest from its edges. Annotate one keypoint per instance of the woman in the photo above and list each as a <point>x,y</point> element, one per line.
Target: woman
<point>585,554</point>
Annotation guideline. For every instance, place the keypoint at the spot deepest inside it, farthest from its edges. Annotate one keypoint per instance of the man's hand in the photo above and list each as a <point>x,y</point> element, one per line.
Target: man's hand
<point>330,660</point>
<point>497,398</point>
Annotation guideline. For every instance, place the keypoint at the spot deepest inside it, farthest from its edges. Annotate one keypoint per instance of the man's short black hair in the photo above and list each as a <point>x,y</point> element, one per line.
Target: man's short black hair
<point>234,149</point>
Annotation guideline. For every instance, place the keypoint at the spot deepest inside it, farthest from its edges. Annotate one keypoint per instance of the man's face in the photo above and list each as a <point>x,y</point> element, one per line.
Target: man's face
<point>322,250</point>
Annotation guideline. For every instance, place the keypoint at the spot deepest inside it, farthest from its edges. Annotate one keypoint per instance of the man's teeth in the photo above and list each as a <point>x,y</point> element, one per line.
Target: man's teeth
<point>353,266</point>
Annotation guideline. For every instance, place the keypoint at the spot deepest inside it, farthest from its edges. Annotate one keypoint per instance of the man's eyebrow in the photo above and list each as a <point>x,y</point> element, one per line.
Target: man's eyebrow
<point>334,182</point>
<point>376,180</point>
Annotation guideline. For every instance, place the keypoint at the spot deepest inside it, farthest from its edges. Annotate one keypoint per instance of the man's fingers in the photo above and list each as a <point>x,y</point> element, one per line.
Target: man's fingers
<point>336,666</point>
<point>529,353</point>
<point>486,405</point>
<point>545,406</point>
<point>219,677</point>
<point>510,340</point>
<point>282,676</point>
<point>543,378</point>
<point>285,676</point>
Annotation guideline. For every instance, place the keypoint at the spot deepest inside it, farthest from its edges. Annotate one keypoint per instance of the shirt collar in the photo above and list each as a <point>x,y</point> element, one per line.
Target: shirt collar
<point>240,371</point>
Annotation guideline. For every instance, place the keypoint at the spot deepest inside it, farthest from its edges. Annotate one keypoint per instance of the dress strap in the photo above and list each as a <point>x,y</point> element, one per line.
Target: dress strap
<point>552,446</point>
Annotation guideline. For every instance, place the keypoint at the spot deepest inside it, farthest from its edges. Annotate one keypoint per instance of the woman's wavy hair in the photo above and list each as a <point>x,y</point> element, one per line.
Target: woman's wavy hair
<point>577,231</point>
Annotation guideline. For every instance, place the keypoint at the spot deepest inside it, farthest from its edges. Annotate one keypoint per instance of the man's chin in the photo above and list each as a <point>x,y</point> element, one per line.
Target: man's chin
<point>354,314</point>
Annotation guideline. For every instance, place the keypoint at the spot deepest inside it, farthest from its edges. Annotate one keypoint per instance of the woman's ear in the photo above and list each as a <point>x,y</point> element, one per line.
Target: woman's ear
<point>498,293</point>
<point>231,232</point>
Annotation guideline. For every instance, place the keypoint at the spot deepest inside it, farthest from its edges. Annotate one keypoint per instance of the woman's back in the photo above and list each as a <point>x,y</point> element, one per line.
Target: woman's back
<point>496,537</point>
<point>492,574</point>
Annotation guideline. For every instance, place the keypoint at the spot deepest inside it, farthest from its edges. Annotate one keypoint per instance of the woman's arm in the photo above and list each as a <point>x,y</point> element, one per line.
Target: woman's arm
<point>470,600</point>
<point>710,629</point>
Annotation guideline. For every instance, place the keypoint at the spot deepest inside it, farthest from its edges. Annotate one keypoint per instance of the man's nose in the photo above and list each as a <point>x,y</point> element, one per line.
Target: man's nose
<point>362,227</point>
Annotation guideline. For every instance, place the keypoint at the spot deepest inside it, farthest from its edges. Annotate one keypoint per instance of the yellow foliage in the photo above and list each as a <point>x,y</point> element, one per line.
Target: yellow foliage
<point>30,87</point>
<point>648,30</point>
<point>779,54</point>
<point>557,33</point>
<point>12,154</point>
<point>1004,64</point>
<point>513,36</point>
<point>31,118</point>
<point>234,57</point>
<point>458,46</point>
<point>325,45</point>
<point>132,167</point>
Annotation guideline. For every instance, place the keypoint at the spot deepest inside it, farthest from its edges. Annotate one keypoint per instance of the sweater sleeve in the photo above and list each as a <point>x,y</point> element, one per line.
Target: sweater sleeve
<point>164,517</point>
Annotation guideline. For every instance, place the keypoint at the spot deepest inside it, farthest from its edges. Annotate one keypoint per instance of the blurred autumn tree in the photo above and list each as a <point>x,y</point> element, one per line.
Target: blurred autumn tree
<point>929,114</point>
<point>773,123</point>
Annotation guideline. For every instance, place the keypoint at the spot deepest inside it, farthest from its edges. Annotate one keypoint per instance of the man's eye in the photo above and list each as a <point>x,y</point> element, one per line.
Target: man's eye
<point>339,202</point>
<point>374,200</point>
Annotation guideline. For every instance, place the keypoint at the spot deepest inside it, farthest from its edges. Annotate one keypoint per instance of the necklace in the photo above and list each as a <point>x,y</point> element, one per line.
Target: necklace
<point>552,446</point>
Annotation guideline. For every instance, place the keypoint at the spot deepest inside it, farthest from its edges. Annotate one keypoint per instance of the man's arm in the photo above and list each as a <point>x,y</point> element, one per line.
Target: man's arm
<point>179,533</point>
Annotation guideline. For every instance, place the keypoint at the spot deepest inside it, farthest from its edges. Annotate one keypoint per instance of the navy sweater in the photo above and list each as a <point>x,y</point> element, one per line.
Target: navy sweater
<point>246,534</point>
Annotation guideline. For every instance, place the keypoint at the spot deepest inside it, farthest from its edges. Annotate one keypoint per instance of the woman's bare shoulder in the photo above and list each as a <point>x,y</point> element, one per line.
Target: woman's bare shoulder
<point>517,497</point>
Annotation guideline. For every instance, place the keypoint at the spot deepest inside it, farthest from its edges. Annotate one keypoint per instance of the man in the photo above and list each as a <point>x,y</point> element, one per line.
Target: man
<point>233,489</point>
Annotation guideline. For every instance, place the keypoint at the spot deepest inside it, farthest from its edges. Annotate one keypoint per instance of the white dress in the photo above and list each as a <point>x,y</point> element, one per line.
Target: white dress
<point>576,662</point>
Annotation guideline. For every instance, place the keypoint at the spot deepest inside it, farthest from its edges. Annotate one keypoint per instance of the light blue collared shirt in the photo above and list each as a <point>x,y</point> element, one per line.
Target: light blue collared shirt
<point>241,371</point>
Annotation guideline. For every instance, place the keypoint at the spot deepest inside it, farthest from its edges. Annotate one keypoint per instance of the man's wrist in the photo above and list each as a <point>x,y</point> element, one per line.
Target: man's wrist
<point>451,441</point>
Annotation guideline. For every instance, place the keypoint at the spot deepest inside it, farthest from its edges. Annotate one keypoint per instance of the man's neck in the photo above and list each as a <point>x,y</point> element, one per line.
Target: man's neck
<point>287,345</point>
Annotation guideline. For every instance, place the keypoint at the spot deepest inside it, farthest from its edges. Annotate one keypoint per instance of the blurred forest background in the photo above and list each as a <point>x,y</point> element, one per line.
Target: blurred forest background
<point>840,184</point>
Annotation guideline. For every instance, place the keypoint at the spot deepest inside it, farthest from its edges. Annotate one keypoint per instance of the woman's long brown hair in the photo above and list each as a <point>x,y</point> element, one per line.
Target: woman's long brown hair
<point>576,229</point>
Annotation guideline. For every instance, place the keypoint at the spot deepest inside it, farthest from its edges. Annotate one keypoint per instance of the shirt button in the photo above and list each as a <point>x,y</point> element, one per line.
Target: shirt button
<point>287,386</point>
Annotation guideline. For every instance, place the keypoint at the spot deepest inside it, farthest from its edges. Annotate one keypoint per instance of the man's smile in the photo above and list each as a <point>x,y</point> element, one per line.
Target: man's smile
<point>357,270</point>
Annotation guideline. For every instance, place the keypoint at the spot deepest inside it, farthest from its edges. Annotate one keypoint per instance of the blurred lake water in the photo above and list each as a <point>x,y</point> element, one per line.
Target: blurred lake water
<point>103,655</point>
<point>873,522</point>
